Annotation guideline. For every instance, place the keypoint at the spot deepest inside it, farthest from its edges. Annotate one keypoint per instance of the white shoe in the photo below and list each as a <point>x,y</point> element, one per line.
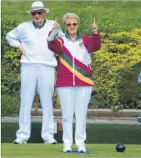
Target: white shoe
<point>50,141</point>
<point>81,148</point>
<point>67,149</point>
<point>18,141</point>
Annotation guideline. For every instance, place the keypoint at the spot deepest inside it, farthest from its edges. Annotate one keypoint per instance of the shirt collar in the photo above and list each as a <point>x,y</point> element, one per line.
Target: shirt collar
<point>78,37</point>
<point>39,26</point>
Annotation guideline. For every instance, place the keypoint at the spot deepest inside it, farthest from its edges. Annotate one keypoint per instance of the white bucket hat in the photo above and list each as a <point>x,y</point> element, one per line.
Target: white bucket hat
<point>37,6</point>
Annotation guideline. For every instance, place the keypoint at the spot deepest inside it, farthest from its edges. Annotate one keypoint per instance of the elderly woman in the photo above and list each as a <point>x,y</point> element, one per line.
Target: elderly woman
<point>74,83</point>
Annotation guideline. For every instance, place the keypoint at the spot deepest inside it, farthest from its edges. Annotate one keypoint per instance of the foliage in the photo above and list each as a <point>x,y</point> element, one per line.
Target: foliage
<point>9,54</point>
<point>111,17</point>
<point>10,105</point>
<point>116,68</point>
<point>10,80</point>
<point>13,58</point>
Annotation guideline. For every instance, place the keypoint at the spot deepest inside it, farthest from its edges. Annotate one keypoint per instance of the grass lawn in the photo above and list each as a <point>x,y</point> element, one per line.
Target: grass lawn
<point>43,150</point>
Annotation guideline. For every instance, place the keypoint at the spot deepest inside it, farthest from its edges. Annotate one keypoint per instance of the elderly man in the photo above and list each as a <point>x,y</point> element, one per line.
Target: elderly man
<point>37,71</point>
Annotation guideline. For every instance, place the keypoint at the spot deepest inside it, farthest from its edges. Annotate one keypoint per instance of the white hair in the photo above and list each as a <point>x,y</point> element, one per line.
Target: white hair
<point>70,16</point>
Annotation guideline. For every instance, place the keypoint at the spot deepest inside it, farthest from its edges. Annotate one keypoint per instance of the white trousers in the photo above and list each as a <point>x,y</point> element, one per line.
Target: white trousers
<point>40,77</point>
<point>74,100</point>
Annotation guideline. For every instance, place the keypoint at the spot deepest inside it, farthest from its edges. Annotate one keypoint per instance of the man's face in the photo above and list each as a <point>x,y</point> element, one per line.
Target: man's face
<point>38,16</point>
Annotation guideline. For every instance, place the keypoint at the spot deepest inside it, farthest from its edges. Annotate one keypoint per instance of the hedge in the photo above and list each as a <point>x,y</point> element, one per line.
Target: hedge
<point>116,68</point>
<point>10,105</point>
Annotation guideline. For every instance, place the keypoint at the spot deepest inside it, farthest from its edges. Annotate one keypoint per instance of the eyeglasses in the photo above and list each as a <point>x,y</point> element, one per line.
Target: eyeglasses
<point>34,13</point>
<point>73,24</point>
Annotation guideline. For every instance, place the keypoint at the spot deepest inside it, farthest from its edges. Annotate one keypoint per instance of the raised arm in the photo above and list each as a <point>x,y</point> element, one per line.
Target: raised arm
<point>93,42</point>
<point>55,43</point>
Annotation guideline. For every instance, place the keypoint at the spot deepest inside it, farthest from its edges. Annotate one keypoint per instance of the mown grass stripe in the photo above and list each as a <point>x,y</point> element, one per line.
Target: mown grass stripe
<point>35,150</point>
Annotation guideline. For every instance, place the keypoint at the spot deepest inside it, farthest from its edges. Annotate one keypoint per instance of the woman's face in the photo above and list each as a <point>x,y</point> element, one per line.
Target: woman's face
<point>72,26</point>
<point>38,16</point>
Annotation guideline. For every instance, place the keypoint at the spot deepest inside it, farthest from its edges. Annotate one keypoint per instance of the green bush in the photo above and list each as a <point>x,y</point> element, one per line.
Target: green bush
<point>13,57</point>
<point>9,54</point>
<point>116,68</point>
<point>10,80</point>
<point>9,105</point>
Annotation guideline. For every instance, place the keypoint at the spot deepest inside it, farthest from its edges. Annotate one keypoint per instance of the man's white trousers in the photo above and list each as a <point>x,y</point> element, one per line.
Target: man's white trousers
<point>74,100</point>
<point>42,78</point>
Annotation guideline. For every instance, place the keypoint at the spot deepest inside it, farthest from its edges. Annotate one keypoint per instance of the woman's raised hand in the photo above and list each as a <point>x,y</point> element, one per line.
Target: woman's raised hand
<point>94,28</point>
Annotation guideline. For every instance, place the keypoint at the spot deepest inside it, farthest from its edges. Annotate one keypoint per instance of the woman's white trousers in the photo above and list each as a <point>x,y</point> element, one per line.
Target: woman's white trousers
<point>74,100</point>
